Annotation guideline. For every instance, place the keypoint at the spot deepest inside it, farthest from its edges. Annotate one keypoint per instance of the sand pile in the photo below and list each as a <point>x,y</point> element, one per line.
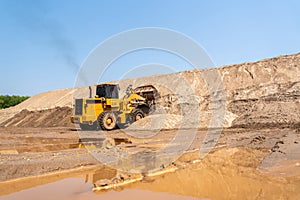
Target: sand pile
<point>157,122</point>
<point>263,93</point>
<point>55,117</point>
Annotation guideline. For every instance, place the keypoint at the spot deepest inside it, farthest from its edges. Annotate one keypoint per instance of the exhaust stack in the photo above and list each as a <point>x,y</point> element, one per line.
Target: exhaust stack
<point>90,88</point>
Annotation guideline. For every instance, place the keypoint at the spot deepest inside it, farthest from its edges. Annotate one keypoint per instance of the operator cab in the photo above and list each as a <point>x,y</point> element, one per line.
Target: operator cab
<point>110,91</point>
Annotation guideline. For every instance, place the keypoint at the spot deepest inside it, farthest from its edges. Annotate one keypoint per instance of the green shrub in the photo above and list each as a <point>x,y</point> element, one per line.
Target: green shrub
<point>8,101</point>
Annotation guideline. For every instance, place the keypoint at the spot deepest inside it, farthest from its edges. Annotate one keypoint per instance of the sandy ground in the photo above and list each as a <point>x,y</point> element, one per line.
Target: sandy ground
<point>256,157</point>
<point>262,163</point>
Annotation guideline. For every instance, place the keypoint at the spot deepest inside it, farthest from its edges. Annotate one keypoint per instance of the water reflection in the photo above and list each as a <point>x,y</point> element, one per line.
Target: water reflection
<point>225,175</point>
<point>77,188</point>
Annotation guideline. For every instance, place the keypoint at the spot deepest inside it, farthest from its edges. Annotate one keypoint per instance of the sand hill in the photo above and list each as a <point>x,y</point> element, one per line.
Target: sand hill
<point>262,93</point>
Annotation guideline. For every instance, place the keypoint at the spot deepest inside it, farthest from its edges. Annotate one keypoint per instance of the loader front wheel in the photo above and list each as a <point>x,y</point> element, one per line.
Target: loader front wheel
<point>137,115</point>
<point>107,121</point>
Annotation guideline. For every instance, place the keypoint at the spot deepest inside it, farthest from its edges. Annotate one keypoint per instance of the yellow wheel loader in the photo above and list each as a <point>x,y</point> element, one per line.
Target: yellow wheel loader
<point>107,111</point>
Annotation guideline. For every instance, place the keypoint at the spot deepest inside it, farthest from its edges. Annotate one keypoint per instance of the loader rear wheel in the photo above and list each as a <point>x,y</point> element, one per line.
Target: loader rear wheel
<point>107,121</point>
<point>137,115</point>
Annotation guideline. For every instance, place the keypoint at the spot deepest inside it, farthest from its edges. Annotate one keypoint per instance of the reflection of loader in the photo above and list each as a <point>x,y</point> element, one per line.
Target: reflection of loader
<point>107,111</point>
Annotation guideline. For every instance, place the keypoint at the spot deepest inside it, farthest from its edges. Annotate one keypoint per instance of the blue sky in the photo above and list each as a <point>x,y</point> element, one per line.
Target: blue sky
<point>43,43</point>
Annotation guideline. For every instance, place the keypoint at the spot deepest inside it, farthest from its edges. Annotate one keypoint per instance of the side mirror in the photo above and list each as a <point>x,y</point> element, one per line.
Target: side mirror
<point>96,96</point>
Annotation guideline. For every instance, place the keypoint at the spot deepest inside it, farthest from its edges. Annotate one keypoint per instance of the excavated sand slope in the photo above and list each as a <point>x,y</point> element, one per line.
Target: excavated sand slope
<point>263,93</point>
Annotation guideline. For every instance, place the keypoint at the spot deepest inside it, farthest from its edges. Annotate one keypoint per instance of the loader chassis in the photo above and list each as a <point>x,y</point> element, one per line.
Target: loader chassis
<point>107,111</point>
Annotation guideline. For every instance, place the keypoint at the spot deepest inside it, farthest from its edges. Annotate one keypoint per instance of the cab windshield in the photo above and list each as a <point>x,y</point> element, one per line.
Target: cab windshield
<point>107,91</point>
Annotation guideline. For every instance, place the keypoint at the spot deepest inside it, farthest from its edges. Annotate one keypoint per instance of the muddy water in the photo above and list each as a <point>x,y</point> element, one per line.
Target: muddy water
<point>193,182</point>
<point>224,174</point>
<point>77,188</point>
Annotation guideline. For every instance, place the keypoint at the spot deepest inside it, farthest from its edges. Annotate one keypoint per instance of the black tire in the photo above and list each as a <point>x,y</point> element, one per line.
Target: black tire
<point>88,127</point>
<point>137,115</point>
<point>107,121</point>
